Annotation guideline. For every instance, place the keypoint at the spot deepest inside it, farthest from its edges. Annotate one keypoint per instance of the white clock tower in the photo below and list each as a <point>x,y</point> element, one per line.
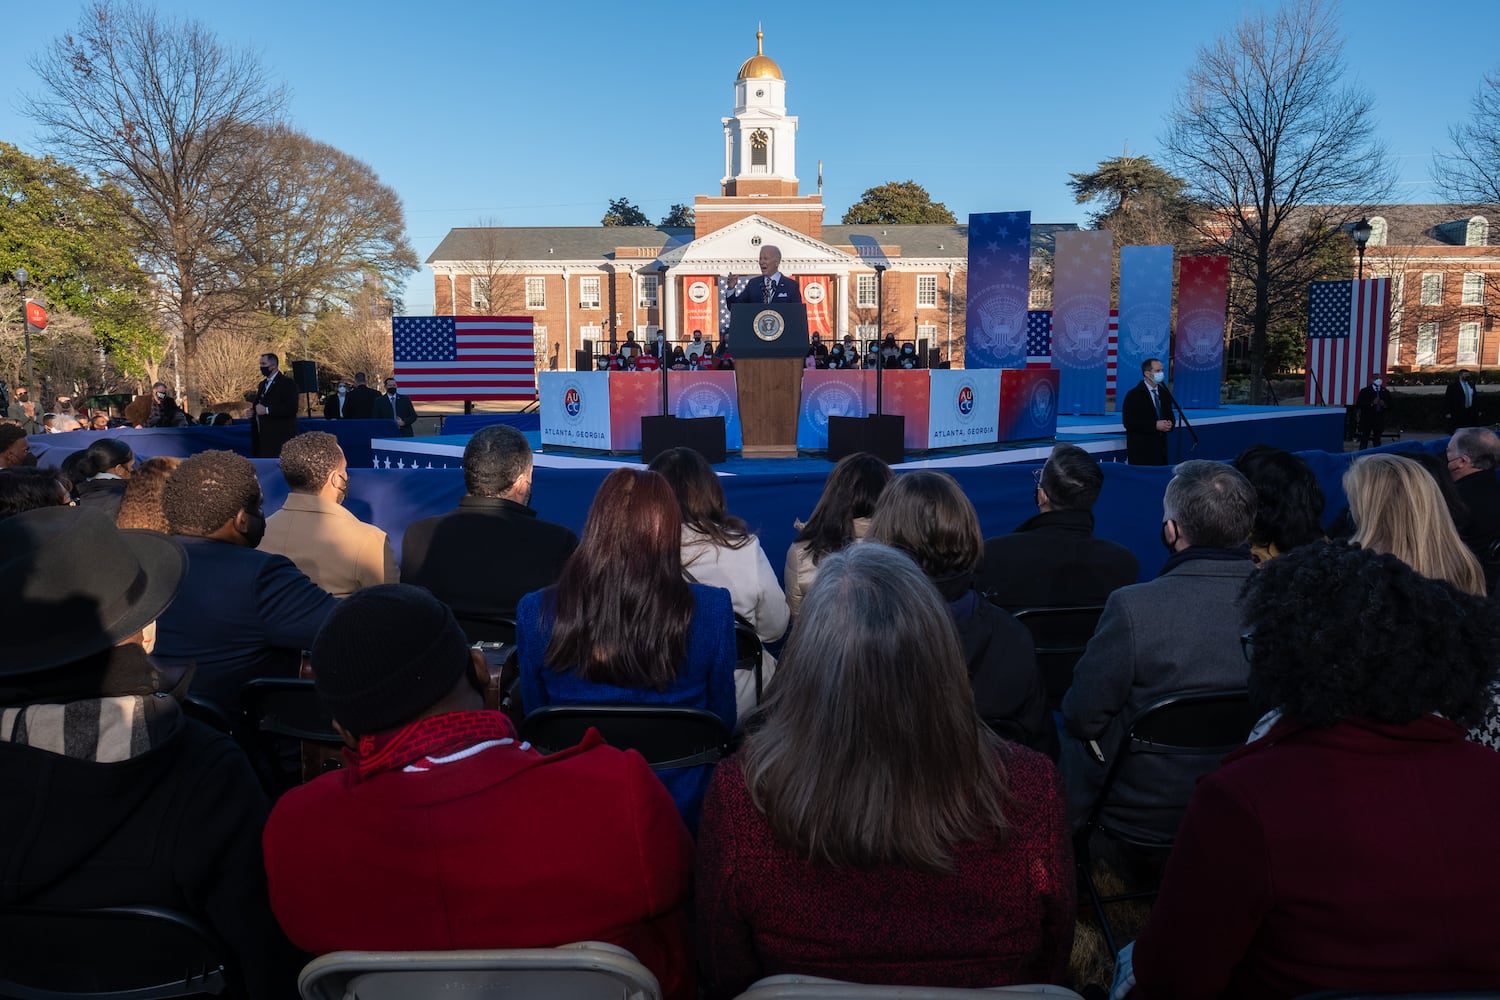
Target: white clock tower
<point>760,141</point>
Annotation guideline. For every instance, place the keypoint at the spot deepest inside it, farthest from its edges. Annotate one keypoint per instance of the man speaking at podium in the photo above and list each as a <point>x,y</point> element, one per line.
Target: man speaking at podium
<point>773,286</point>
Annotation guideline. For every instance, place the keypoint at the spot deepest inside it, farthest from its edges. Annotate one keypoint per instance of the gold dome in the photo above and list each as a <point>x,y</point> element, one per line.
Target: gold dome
<point>759,66</point>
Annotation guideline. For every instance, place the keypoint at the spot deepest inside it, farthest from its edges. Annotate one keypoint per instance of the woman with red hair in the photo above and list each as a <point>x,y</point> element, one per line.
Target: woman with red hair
<point>622,625</point>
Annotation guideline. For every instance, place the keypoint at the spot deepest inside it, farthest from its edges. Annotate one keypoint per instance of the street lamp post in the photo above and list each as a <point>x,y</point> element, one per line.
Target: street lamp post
<point>880,338</point>
<point>22,277</point>
<point>1361,235</point>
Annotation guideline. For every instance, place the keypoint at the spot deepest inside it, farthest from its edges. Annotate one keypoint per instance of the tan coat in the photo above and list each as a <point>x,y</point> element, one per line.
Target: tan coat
<point>801,571</point>
<point>337,551</point>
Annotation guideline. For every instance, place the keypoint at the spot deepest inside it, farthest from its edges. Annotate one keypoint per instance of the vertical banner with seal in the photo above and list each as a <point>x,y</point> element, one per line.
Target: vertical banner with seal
<point>707,394</point>
<point>575,409</point>
<point>908,393</point>
<point>1080,319</point>
<point>1028,404</point>
<point>999,290</point>
<point>1145,308</point>
<point>632,395</point>
<point>701,306</point>
<point>815,295</point>
<point>1198,362</point>
<point>962,407</point>
<point>831,394</point>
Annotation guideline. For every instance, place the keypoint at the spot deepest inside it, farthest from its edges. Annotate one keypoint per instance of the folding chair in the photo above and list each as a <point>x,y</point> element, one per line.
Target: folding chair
<point>489,628</point>
<point>747,653</point>
<point>588,970</point>
<point>1060,634</point>
<point>111,953</point>
<point>276,710</point>
<point>794,987</point>
<point>667,736</point>
<point>1199,727</point>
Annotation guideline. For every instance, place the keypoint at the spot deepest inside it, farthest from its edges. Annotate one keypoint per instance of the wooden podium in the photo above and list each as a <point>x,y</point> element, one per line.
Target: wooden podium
<point>769,344</point>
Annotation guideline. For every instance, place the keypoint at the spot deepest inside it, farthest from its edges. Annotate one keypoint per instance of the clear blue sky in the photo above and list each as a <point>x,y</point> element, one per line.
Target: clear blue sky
<point>538,114</point>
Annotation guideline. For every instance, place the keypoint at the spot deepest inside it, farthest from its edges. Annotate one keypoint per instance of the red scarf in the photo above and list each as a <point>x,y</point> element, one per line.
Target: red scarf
<point>435,736</point>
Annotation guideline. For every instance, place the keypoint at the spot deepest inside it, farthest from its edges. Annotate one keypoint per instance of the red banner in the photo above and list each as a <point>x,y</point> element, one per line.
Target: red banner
<point>36,316</point>
<point>815,295</point>
<point>701,307</point>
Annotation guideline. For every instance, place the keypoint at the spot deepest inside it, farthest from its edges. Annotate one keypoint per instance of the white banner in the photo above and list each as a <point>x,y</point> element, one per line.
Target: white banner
<point>575,409</point>
<point>963,407</point>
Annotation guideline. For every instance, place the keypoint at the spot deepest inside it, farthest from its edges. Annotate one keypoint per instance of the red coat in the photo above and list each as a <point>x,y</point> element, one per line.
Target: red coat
<point>501,849</point>
<point>1360,857</point>
<point>1003,916</point>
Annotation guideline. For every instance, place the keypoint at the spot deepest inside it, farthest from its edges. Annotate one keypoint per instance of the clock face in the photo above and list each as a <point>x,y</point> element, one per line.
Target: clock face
<point>760,93</point>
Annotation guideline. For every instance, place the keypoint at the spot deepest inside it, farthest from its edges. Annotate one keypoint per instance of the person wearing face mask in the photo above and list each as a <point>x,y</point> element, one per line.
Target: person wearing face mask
<point>396,408</point>
<point>337,551</point>
<point>164,409</point>
<point>1371,406</point>
<point>241,613</point>
<point>1147,416</point>
<point>336,402</point>
<point>273,418</point>
<point>1179,632</point>
<point>1461,402</point>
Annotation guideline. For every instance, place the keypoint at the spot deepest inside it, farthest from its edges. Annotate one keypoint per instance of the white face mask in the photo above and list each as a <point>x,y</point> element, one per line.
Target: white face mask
<point>1159,377</point>
<point>1378,383</point>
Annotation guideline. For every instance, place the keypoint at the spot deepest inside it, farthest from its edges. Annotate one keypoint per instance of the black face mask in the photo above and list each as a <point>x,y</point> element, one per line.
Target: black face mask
<point>390,390</point>
<point>1170,546</point>
<point>255,530</point>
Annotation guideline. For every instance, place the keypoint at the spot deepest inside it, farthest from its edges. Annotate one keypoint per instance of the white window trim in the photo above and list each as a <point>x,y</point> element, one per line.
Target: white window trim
<point>1470,356</point>
<point>541,284</point>
<point>475,302</point>
<point>860,302</point>
<point>1437,298</point>
<point>584,302</point>
<point>645,280</point>
<point>934,279</point>
<point>1426,330</point>
<point>1473,280</point>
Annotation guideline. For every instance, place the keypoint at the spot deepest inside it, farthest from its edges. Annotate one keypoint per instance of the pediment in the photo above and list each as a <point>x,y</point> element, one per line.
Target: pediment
<point>736,248</point>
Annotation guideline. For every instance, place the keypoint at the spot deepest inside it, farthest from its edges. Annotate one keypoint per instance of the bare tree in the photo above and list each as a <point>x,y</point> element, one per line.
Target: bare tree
<point>1280,153</point>
<point>174,119</point>
<point>496,285</point>
<point>357,339</point>
<point>227,356</point>
<point>1470,173</point>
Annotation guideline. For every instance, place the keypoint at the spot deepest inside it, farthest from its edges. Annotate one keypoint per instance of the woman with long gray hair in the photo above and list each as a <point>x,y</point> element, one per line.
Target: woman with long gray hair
<point>873,829</point>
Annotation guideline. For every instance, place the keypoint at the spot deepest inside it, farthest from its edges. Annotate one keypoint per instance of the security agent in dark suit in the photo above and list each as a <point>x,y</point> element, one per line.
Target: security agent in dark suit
<point>1461,402</point>
<point>771,286</point>
<point>1147,415</point>
<point>361,402</point>
<point>273,418</point>
<point>397,408</point>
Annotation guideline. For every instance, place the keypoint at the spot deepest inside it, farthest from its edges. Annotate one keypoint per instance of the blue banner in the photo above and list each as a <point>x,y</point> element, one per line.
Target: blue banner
<point>1145,309</point>
<point>1080,319</point>
<point>999,290</point>
<point>1198,354</point>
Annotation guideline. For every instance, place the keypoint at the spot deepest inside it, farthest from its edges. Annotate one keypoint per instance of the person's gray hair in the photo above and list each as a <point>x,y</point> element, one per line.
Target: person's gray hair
<point>494,459</point>
<point>1212,503</point>
<point>1479,445</point>
<point>1072,478</point>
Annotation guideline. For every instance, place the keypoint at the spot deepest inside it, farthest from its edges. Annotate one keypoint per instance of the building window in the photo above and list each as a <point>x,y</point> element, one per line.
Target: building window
<point>1473,289</point>
<point>588,293</point>
<point>648,291</point>
<point>866,294</point>
<point>1427,335</point>
<point>926,290</point>
<point>1393,352</point>
<point>1432,289</point>
<point>1379,232</point>
<point>536,293</point>
<point>479,293</point>
<point>927,331</point>
<point>1468,343</point>
<point>542,349</point>
<point>1477,232</point>
<point>864,333</point>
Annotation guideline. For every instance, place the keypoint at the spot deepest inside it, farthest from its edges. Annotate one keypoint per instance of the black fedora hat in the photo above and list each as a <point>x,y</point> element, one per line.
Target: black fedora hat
<point>75,585</point>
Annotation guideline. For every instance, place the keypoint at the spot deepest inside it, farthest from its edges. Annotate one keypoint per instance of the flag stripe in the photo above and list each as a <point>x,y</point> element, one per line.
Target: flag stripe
<point>465,357</point>
<point>1347,327</point>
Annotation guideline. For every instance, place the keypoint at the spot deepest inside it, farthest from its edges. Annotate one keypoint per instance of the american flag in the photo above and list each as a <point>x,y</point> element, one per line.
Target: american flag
<point>465,357</point>
<point>1039,343</point>
<point>1347,324</point>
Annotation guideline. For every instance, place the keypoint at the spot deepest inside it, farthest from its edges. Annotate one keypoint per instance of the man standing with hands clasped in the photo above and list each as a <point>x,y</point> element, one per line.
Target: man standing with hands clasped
<point>771,286</point>
<point>1147,415</point>
<point>397,408</point>
<point>273,418</point>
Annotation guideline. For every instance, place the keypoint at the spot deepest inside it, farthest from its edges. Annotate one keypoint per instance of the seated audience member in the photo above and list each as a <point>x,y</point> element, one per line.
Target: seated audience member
<point>1179,632</point>
<point>1053,559</point>
<point>450,833</point>
<point>111,796</point>
<point>1288,501</point>
<point>927,516</point>
<point>1397,509</point>
<point>873,829</point>
<point>99,421</point>
<point>718,550</point>
<point>1350,845</point>
<point>14,449</point>
<point>622,625</point>
<point>164,409</point>
<point>140,507</point>
<point>1473,454</point>
<point>841,517</point>
<point>337,551</point>
<point>28,489</point>
<point>241,614</point>
<point>222,419</point>
<point>483,557</point>
<point>103,472</point>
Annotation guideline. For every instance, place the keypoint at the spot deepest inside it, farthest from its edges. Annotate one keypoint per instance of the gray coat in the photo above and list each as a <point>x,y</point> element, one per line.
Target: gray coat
<point>1179,632</point>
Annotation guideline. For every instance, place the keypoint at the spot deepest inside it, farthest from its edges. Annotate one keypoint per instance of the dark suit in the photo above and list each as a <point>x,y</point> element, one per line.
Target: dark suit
<point>1144,444</point>
<point>331,408</point>
<point>1054,560</point>
<point>1455,412</point>
<point>483,557</point>
<point>1371,406</point>
<point>390,407</point>
<point>782,290</point>
<point>278,425</point>
<point>360,403</point>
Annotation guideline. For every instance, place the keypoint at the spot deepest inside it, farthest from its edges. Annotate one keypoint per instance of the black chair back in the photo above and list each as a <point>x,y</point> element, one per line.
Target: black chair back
<point>667,736</point>
<point>747,653</point>
<point>494,628</point>
<point>115,953</point>
<point>1061,635</point>
<point>286,732</point>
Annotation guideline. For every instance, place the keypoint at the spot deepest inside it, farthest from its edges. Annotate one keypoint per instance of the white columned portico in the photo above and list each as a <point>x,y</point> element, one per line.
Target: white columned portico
<point>668,291</point>
<point>841,283</point>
